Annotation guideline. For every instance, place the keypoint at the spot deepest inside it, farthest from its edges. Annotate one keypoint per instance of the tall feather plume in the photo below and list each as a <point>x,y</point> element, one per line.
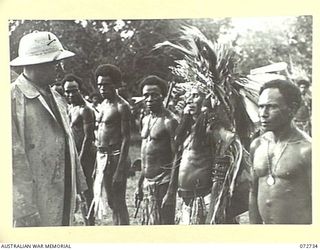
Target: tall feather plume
<point>211,66</point>
<point>233,100</point>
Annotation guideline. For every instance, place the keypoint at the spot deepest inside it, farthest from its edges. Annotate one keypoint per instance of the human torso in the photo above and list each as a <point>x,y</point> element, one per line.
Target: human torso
<point>109,128</point>
<point>288,199</point>
<point>196,165</point>
<point>156,154</point>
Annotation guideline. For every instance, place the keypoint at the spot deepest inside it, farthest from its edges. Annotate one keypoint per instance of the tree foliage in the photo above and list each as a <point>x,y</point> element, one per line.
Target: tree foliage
<point>290,43</point>
<point>129,45</point>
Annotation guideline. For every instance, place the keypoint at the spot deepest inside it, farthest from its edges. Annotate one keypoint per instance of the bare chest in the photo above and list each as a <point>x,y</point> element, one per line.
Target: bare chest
<point>154,128</point>
<point>110,114</point>
<point>279,160</point>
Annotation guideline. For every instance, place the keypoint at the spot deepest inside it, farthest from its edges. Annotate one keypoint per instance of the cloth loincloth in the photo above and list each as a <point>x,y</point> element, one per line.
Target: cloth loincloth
<point>152,200</point>
<point>195,212</point>
<point>99,202</point>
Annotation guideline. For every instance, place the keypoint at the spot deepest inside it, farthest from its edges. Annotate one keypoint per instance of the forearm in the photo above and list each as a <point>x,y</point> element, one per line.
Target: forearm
<point>124,151</point>
<point>86,145</point>
<point>173,184</point>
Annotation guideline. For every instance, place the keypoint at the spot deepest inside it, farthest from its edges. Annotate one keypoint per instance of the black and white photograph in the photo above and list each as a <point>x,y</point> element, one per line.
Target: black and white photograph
<point>140,122</point>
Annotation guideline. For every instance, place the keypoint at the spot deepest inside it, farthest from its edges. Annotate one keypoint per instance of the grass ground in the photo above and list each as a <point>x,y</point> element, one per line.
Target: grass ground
<point>134,153</point>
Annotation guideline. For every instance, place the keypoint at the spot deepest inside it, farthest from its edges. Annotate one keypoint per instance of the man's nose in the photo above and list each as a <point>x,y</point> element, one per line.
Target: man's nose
<point>263,112</point>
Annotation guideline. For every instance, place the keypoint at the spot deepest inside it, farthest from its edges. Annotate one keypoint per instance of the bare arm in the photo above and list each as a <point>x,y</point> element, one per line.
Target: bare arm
<point>88,120</point>
<point>125,135</point>
<point>173,183</point>
<point>171,126</point>
<point>254,215</point>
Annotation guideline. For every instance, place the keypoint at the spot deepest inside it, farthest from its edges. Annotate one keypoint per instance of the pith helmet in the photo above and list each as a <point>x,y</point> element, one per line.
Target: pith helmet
<point>40,47</point>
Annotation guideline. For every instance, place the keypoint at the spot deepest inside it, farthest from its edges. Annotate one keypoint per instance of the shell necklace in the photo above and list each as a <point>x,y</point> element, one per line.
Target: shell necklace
<point>271,172</point>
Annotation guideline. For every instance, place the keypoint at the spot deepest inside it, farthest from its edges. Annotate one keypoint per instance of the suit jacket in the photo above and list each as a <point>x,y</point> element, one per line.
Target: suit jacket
<point>43,148</point>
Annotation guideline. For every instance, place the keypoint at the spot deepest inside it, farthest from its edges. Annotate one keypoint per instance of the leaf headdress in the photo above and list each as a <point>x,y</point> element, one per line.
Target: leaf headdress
<point>232,104</point>
<point>211,66</point>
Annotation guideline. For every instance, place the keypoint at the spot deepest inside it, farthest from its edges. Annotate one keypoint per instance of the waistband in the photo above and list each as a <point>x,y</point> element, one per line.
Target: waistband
<point>194,193</point>
<point>109,150</point>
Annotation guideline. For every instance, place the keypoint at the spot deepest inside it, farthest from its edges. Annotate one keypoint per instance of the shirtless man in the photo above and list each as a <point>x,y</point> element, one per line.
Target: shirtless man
<point>193,177</point>
<point>82,120</point>
<point>113,141</point>
<point>157,150</point>
<point>202,141</point>
<point>280,191</point>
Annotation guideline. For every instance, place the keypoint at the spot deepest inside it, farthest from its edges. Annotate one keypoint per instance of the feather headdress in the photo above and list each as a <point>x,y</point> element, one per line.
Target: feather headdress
<point>233,99</point>
<point>211,66</point>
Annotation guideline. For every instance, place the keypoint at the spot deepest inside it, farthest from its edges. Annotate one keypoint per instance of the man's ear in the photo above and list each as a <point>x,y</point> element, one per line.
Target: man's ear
<point>293,110</point>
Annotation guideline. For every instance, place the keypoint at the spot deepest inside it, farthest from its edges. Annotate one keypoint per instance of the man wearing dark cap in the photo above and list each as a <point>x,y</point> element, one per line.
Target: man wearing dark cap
<point>113,139</point>
<point>46,169</point>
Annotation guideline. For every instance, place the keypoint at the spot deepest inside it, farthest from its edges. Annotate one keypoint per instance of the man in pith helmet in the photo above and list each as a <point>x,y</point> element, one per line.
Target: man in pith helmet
<point>46,169</point>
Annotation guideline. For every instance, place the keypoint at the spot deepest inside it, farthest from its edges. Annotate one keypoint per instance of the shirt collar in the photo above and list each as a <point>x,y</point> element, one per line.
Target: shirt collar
<point>26,87</point>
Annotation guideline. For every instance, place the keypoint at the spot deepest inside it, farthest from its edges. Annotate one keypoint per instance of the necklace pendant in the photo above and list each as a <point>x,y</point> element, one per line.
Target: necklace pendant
<point>270,180</point>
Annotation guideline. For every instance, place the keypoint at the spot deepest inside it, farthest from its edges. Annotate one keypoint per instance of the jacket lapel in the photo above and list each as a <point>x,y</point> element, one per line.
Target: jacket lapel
<point>31,92</point>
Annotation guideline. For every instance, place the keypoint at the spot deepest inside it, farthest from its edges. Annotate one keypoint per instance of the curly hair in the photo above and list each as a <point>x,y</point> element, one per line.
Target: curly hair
<point>303,82</point>
<point>71,78</point>
<point>109,70</point>
<point>289,91</point>
<point>155,81</point>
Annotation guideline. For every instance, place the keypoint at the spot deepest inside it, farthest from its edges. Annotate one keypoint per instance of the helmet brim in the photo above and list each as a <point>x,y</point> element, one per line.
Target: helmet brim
<point>38,59</point>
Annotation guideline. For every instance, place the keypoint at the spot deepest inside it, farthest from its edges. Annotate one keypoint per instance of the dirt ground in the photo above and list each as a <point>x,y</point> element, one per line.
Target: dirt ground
<point>131,187</point>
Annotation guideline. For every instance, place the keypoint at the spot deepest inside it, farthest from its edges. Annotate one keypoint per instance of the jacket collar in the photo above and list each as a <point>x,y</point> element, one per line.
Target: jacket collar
<point>27,87</point>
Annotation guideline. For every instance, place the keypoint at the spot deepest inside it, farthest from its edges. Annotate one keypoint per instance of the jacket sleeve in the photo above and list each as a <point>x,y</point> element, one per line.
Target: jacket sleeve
<point>22,175</point>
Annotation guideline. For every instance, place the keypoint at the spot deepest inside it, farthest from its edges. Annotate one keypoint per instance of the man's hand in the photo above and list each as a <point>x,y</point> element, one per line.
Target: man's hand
<point>32,220</point>
<point>187,110</point>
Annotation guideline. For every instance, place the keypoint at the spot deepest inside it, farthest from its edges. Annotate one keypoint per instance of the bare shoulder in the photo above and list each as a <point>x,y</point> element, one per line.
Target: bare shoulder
<point>123,106</point>
<point>169,120</point>
<point>304,143</point>
<point>256,143</point>
<point>87,113</point>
